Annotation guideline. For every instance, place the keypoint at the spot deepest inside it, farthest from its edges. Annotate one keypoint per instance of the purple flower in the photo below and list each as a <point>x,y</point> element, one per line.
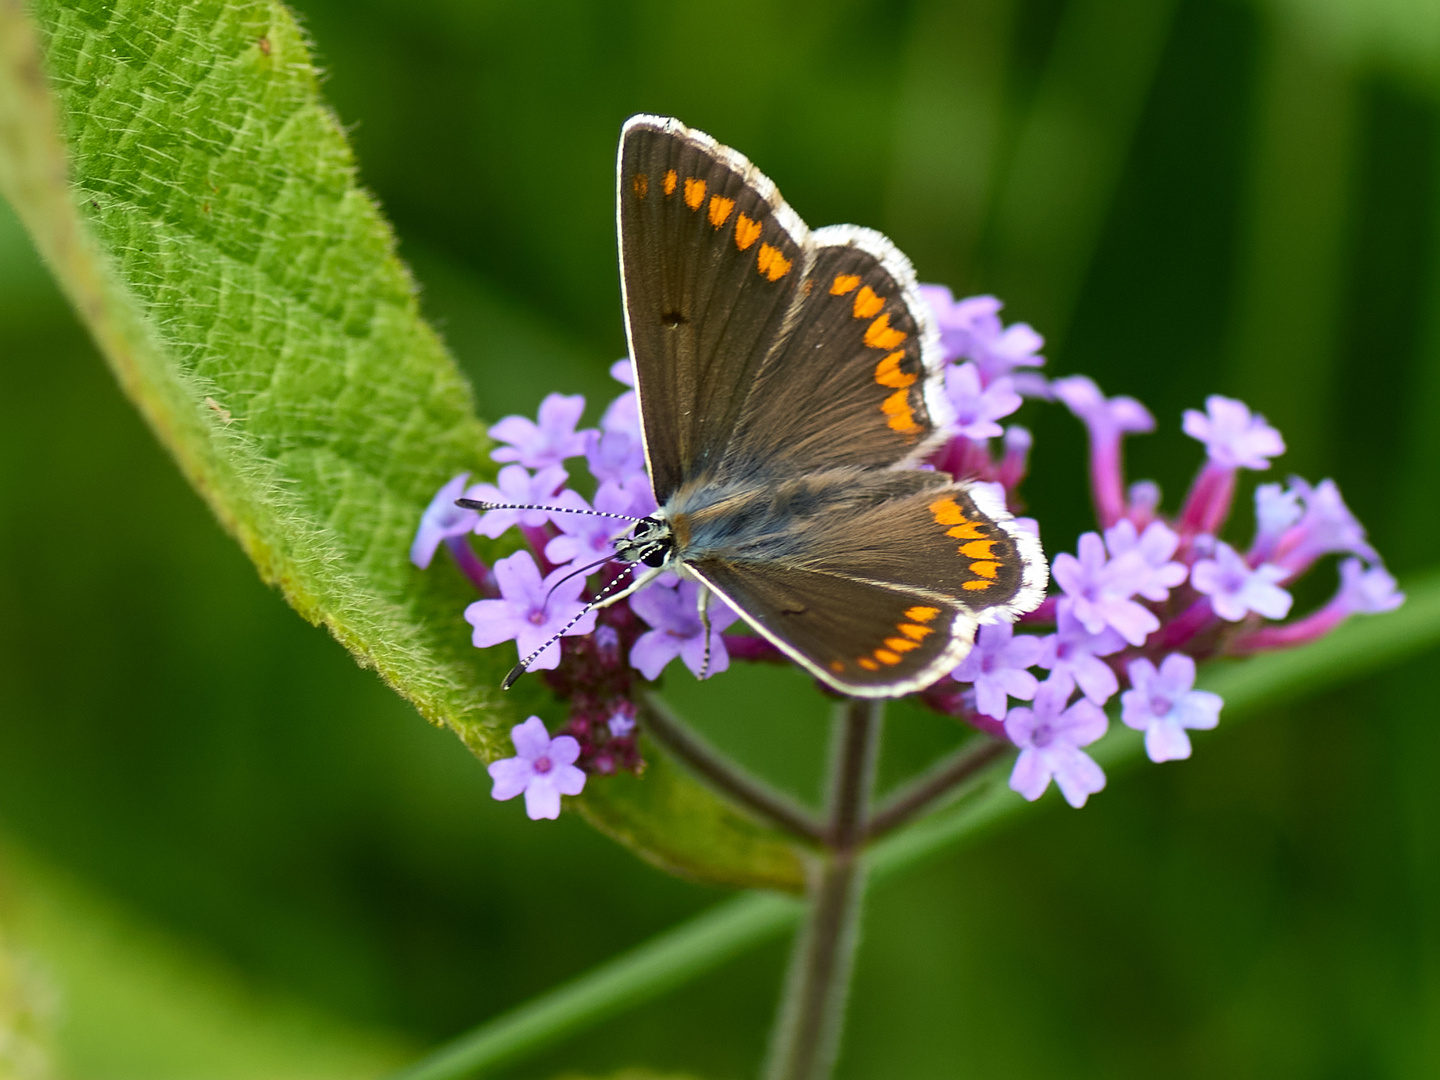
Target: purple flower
<point>1164,703</point>
<point>1276,509</point>
<point>584,537</point>
<point>1108,420</point>
<point>543,768</point>
<point>1235,589</point>
<point>1152,550</point>
<point>623,371</point>
<point>971,329</point>
<point>528,612</point>
<point>996,667</point>
<point>977,408</point>
<point>550,441</point>
<point>516,485</point>
<point>1050,737</point>
<point>1075,652</point>
<point>1327,526</point>
<point>1234,437</point>
<point>1100,590</point>
<point>614,455</point>
<point>442,519</point>
<point>622,720</point>
<point>677,630</point>
<point>1366,590</point>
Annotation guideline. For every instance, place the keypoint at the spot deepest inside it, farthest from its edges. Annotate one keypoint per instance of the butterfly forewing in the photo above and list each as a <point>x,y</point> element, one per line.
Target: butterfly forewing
<point>857,359</point>
<point>711,260</point>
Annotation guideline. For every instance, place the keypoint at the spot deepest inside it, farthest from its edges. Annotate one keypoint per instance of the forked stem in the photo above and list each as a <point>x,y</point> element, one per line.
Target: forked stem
<point>806,1039</point>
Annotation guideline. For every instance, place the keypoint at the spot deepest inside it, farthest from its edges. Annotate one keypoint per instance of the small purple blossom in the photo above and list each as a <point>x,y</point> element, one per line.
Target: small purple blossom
<point>1326,527</point>
<point>543,768</point>
<point>676,630</point>
<point>1108,421</point>
<point>1277,508</point>
<point>1164,703</point>
<point>996,667</point>
<point>1050,736</point>
<point>442,519</point>
<point>1152,550</point>
<point>1100,589</point>
<point>1366,590</point>
<point>528,612</point>
<point>971,329</point>
<point>550,441</point>
<point>1075,652</point>
<point>514,484</point>
<point>1234,437</point>
<point>622,720</point>
<point>976,407</point>
<point>1235,589</point>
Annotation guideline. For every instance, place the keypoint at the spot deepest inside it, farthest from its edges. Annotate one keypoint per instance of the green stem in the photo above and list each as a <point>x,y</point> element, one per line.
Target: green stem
<point>806,1040</point>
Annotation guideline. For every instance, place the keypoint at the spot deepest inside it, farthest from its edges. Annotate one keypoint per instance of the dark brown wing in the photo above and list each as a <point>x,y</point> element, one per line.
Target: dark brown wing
<point>711,260</point>
<point>858,377</point>
<point>844,592</point>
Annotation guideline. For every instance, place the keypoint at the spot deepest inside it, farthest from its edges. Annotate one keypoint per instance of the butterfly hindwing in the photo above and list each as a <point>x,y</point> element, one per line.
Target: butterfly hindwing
<point>828,588</point>
<point>711,260</point>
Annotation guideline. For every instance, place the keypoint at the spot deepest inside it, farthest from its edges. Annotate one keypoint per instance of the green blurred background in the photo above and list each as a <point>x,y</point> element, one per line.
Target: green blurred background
<point>233,832</point>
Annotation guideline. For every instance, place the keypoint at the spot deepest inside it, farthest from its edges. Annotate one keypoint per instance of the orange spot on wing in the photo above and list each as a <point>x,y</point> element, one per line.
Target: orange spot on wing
<point>771,263</point>
<point>641,184</point>
<point>968,531</point>
<point>985,569</point>
<point>900,644</point>
<point>947,512</point>
<point>694,193</point>
<point>922,614</point>
<point>880,335</point>
<point>868,664</point>
<point>978,549</point>
<point>720,208</point>
<point>976,586</point>
<point>836,666</point>
<point>897,408</point>
<point>913,630</point>
<point>885,656</point>
<point>669,182</point>
<point>844,283</point>
<point>867,303</point>
<point>888,373</point>
<point>746,232</point>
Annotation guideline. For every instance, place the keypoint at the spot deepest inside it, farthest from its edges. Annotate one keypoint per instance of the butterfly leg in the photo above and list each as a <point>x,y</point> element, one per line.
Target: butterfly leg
<point>702,604</point>
<point>639,582</point>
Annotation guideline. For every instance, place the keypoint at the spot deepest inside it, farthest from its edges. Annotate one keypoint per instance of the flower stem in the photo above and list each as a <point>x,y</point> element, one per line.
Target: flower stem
<point>925,790</point>
<point>747,790</point>
<point>806,1039</point>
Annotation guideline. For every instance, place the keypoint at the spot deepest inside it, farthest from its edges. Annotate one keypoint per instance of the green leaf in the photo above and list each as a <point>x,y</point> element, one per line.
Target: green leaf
<point>208,227</point>
<point>199,205</point>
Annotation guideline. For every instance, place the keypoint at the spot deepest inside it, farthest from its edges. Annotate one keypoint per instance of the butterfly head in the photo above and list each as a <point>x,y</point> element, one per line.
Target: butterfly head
<point>651,542</point>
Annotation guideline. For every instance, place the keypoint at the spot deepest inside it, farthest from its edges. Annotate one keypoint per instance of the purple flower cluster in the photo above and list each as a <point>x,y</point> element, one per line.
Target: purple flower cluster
<point>1141,598</point>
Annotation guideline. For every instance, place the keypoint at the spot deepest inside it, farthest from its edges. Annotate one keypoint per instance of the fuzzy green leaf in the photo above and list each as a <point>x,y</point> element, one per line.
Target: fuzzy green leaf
<point>198,203</point>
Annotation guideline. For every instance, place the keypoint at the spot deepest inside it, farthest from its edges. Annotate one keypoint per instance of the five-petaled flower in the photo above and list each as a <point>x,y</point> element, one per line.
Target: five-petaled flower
<point>1050,736</point>
<point>550,441</point>
<point>1234,437</point>
<point>1235,588</point>
<point>530,611</point>
<point>1163,703</point>
<point>543,768</point>
<point>676,630</point>
<point>997,666</point>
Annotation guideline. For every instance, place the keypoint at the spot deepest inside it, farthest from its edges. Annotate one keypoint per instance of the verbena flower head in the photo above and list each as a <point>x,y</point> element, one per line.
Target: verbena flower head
<point>542,768</point>
<point>1144,588</point>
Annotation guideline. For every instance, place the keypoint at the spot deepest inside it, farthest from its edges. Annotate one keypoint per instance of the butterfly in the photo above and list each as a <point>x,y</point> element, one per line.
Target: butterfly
<point>791,385</point>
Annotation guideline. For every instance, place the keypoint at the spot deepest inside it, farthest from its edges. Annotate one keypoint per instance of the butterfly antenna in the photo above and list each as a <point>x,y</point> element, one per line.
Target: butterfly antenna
<point>475,504</point>
<point>583,570</point>
<point>520,668</point>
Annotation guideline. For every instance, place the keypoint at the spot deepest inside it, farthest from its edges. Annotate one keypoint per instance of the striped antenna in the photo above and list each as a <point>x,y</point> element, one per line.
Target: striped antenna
<point>475,504</point>
<point>520,668</point>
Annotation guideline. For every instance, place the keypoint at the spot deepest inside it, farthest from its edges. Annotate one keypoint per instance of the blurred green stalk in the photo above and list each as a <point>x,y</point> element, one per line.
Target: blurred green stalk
<point>1362,647</point>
